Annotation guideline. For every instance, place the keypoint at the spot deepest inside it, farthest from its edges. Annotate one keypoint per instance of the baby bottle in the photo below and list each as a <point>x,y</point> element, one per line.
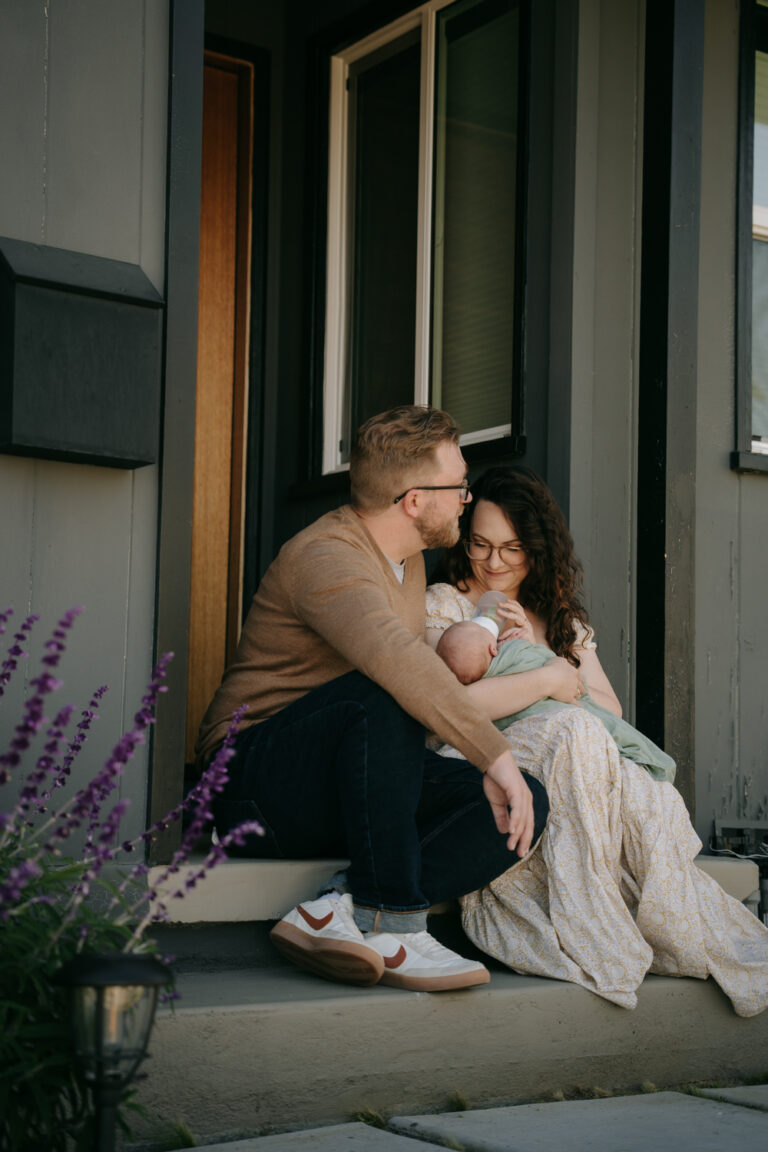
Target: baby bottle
<point>486,614</point>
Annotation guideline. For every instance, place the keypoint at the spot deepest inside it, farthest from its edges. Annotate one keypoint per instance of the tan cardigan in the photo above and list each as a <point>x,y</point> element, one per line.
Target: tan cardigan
<point>330,603</point>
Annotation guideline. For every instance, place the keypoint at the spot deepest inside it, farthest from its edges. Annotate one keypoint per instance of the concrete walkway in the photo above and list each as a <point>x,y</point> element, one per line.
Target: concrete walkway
<point>718,1119</point>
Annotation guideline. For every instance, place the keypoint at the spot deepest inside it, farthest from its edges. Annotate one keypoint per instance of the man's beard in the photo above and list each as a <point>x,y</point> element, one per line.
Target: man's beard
<point>437,533</point>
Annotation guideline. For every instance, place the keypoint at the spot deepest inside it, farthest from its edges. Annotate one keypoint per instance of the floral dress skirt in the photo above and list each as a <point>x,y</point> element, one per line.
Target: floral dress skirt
<point>612,890</point>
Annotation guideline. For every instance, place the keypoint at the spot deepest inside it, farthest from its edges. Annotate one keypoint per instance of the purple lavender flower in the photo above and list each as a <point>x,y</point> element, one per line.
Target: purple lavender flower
<point>32,717</point>
<point>110,826</point>
<point>46,764</point>
<point>15,652</point>
<point>23,872</point>
<point>16,880</point>
<point>237,835</point>
<point>199,799</point>
<point>83,727</point>
<point>217,853</point>
<point>86,804</point>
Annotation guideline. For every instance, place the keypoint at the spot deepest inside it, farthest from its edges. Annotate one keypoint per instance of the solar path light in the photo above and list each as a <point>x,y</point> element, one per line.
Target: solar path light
<point>113,998</point>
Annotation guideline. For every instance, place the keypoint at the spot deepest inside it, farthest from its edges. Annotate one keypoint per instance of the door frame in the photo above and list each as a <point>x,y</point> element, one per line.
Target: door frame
<point>187,43</point>
<point>174,531</point>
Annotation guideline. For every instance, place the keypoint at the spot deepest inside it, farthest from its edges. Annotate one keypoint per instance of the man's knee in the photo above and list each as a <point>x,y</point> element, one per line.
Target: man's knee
<point>380,709</point>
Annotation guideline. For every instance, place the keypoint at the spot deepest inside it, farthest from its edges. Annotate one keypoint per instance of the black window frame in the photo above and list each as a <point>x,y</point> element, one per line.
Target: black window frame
<point>753,37</point>
<point>324,46</point>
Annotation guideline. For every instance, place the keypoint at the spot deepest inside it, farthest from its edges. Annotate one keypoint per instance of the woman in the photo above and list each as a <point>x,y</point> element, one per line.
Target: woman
<point>612,891</point>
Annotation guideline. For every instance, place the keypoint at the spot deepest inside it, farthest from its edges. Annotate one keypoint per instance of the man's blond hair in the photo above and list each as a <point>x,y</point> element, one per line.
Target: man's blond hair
<point>394,450</point>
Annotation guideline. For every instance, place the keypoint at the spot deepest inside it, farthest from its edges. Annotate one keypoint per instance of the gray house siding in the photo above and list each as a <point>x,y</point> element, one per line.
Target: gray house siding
<point>83,140</point>
<point>602,430</point>
<point>715,624</point>
<point>730,529</point>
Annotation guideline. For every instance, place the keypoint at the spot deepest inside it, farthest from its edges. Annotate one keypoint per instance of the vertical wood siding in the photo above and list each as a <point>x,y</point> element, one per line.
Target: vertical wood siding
<point>82,135</point>
<point>731,529</point>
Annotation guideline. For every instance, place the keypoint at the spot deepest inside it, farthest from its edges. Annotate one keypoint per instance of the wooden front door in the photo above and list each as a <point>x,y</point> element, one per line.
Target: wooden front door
<point>222,379</point>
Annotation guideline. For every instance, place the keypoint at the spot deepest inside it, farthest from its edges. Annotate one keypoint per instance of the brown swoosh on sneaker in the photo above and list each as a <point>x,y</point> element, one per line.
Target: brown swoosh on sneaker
<point>396,960</point>
<point>313,920</point>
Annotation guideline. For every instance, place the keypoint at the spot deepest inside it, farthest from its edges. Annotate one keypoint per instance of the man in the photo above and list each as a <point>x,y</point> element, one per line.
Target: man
<point>339,687</point>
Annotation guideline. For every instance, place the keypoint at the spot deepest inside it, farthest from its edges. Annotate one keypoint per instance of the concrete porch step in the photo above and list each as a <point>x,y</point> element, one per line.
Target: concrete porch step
<point>255,890</point>
<point>254,1047</point>
<point>251,1052</point>
<point>237,890</point>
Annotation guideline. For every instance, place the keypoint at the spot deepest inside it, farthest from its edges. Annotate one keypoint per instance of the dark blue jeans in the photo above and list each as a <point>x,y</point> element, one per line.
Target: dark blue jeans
<point>344,772</point>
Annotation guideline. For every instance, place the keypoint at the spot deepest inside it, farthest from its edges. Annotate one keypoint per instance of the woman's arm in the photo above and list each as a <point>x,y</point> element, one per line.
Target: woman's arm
<point>598,683</point>
<point>500,696</point>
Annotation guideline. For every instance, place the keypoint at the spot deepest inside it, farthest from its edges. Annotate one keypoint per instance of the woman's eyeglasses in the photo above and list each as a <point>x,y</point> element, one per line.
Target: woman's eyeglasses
<point>463,488</point>
<point>508,553</point>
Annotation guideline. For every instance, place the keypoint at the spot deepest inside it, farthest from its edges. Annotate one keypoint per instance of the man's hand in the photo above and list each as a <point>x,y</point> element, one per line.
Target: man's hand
<point>504,789</point>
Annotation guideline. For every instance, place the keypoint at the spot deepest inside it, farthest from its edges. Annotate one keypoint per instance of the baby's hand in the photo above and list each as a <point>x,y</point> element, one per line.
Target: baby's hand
<point>519,626</point>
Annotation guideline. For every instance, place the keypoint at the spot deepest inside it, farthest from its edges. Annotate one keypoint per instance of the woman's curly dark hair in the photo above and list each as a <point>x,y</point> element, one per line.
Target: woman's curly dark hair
<point>553,587</point>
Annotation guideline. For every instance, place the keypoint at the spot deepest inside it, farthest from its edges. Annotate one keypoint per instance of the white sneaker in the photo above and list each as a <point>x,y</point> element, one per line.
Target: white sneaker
<point>415,960</point>
<point>321,935</point>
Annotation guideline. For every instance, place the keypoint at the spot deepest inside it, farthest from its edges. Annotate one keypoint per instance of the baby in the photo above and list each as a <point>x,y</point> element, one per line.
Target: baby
<point>468,649</point>
<point>471,651</point>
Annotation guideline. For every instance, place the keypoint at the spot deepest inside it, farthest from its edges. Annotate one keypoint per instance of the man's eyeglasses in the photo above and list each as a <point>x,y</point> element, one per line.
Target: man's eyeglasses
<point>508,553</point>
<point>463,488</point>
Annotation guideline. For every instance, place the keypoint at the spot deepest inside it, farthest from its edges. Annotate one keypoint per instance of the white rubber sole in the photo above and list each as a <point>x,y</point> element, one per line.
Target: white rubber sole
<point>341,960</point>
<point>446,983</point>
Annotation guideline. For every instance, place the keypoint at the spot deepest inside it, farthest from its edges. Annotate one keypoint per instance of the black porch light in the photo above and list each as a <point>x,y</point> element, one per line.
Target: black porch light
<point>113,998</point>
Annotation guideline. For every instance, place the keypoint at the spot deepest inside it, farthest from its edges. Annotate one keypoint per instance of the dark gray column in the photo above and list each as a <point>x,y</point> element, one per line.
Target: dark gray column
<point>668,377</point>
<point>178,436</point>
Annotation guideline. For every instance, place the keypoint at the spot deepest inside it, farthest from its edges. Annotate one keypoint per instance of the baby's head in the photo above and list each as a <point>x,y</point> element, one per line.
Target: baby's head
<point>467,648</point>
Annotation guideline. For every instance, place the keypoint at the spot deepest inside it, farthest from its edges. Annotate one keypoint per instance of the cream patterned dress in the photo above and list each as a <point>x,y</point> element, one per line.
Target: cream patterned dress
<point>612,891</point>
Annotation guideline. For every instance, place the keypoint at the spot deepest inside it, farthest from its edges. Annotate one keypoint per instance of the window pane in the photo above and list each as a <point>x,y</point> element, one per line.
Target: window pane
<point>384,110</point>
<point>760,255</point>
<point>759,339</point>
<point>476,142</point>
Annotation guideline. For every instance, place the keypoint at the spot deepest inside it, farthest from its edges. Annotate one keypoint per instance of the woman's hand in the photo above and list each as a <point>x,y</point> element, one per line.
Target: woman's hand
<point>566,683</point>
<point>599,685</point>
<point>518,625</point>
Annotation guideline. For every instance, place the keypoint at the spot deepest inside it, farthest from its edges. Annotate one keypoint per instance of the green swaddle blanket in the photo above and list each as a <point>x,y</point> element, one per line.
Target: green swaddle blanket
<point>522,656</point>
